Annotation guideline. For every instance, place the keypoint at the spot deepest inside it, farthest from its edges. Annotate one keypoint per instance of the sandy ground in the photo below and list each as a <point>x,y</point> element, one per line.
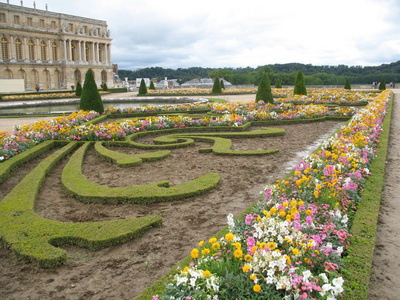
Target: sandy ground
<point>28,282</point>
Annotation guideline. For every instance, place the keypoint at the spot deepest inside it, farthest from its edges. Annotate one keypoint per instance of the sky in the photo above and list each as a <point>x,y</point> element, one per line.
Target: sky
<point>227,33</point>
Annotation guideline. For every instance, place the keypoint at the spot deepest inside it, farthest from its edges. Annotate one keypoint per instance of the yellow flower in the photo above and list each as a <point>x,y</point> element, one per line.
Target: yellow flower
<point>257,288</point>
<point>272,245</point>
<point>263,245</point>
<point>295,251</point>
<point>282,213</point>
<point>308,212</point>
<point>195,253</point>
<point>216,246</point>
<point>316,193</point>
<point>248,257</point>
<point>288,260</point>
<point>212,240</point>
<point>293,203</point>
<point>254,249</point>
<point>201,243</point>
<point>237,245</point>
<point>229,237</point>
<point>253,276</point>
<point>205,251</point>
<point>246,268</point>
<point>186,269</point>
<point>238,253</point>
<point>285,204</point>
<point>206,273</point>
<point>301,203</point>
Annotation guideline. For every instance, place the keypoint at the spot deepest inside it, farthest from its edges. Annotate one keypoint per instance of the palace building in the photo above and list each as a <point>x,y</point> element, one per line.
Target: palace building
<point>51,50</point>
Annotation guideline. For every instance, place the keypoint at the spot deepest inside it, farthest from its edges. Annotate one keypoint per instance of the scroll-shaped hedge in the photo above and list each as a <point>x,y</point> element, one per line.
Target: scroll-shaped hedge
<point>35,239</point>
<point>128,160</point>
<point>77,184</point>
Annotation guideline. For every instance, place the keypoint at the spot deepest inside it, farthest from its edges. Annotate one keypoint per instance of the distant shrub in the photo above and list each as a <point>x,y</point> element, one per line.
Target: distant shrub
<point>105,87</point>
<point>152,87</point>
<point>78,90</point>
<point>90,98</point>
<point>300,84</point>
<point>382,85</point>
<point>264,90</point>
<point>142,88</point>
<point>222,84</point>
<point>217,86</point>
<point>278,84</point>
<point>347,85</point>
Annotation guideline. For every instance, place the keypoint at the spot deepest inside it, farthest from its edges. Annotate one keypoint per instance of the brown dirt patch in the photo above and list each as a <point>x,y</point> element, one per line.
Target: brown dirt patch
<point>124,271</point>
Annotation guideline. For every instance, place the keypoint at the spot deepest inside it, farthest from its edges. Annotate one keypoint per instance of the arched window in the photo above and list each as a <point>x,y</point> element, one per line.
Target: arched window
<point>18,48</point>
<point>103,76</point>
<point>8,74</point>
<point>54,50</point>
<point>43,50</point>
<point>31,48</point>
<point>4,47</point>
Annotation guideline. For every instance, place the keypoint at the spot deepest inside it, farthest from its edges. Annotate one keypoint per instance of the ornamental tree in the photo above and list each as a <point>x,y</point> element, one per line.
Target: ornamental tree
<point>105,88</point>
<point>264,90</point>
<point>217,86</point>
<point>222,84</point>
<point>382,85</point>
<point>142,88</point>
<point>152,87</point>
<point>78,90</point>
<point>347,85</point>
<point>278,84</point>
<point>300,84</point>
<point>90,98</point>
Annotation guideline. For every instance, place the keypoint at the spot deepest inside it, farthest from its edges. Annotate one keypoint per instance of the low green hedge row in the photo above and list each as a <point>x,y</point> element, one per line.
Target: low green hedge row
<point>35,239</point>
<point>128,160</point>
<point>87,191</point>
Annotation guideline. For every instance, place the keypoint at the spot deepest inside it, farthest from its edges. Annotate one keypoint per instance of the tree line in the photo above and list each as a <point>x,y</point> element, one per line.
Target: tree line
<point>285,73</point>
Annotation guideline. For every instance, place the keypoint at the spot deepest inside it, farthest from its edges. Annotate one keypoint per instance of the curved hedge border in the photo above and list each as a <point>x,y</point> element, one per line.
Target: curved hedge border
<point>128,160</point>
<point>35,239</point>
<point>87,191</point>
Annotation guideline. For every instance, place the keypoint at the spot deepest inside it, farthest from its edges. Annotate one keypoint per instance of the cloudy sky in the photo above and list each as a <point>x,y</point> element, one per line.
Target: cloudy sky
<point>227,33</point>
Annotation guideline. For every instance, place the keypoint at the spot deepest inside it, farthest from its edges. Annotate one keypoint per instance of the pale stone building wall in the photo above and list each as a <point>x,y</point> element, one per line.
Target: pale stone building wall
<point>52,50</point>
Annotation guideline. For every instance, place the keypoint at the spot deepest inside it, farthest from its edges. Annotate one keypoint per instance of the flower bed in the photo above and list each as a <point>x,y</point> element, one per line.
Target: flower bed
<point>291,244</point>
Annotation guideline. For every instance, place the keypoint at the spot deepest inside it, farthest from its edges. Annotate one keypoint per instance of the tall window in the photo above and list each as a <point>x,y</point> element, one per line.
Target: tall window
<point>54,50</point>
<point>2,17</point>
<point>41,23</point>
<point>53,24</point>
<point>18,48</point>
<point>100,53</point>
<point>16,19</point>
<point>73,51</point>
<point>29,21</point>
<point>4,47</point>
<point>31,48</point>
<point>87,52</point>
<point>43,50</point>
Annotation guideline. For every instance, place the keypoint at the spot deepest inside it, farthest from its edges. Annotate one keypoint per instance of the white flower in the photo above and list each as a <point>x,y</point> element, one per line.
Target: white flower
<point>231,222</point>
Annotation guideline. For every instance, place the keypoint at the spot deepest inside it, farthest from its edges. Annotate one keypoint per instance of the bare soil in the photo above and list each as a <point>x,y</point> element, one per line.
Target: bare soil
<point>122,272</point>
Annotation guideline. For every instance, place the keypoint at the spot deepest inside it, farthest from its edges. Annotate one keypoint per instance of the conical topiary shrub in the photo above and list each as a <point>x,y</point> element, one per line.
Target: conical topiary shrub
<point>264,90</point>
<point>382,85</point>
<point>216,87</point>
<point>78,90</point>
<point>222,84</point>
<point>152,87</point>
<point>90,98</point>
<point>105,87</point>
<point>347,85</point>
<point>300,84</point>
<point>278,84</point>
<point>142,88</point>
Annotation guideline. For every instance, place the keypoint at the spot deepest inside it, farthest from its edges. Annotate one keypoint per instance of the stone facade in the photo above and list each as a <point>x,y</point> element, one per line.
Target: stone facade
<point>51,50</point>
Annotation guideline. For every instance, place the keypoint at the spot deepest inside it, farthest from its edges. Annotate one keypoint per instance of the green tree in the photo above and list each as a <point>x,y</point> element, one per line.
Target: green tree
<point>152,87</point>
<point>105,87</point>
<point>300,84</point>
<point>90,98</point>
<point>347,85</point>
<point>216,89</point>
<point>278,84</point>
<point>382,85</point>
<point>142,88</point>
<point>78,90</point>
<point>264,90</point>
<point>222,84</point>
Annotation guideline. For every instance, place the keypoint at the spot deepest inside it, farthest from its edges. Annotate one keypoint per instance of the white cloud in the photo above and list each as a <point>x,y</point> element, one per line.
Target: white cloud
<point>177,33</point>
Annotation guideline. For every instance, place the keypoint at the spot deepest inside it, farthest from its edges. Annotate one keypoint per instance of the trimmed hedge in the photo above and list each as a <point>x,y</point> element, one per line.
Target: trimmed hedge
<point>35,239</point>
<point>87,191</point>
<point>128,160</point>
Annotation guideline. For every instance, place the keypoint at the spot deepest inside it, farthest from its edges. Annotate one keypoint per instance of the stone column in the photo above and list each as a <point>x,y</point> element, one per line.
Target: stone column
<point>12,48</point>
<point>106,53</point>
<point>25,49</point>
<point>70,49</point>
<point>84,51</point>
<point>37,51</point>
<point>93,52</point>
<point>97,52</point>
<point>65,50</point>
<point>79,51</point>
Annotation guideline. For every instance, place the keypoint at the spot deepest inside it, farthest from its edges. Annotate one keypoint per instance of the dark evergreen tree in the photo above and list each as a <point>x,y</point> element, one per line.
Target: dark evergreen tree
<point>78,89</point>
<point>152,87</point>
<point>300,84</point>
<point>278,84</point>
<point>105,87</point>
<point>347,85</point>
<point>264,90</point>
<point>90,98</point>
<point>382,85</point>
<point>216,89</point>
<point>222,84</point>
<point>142,88</point>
